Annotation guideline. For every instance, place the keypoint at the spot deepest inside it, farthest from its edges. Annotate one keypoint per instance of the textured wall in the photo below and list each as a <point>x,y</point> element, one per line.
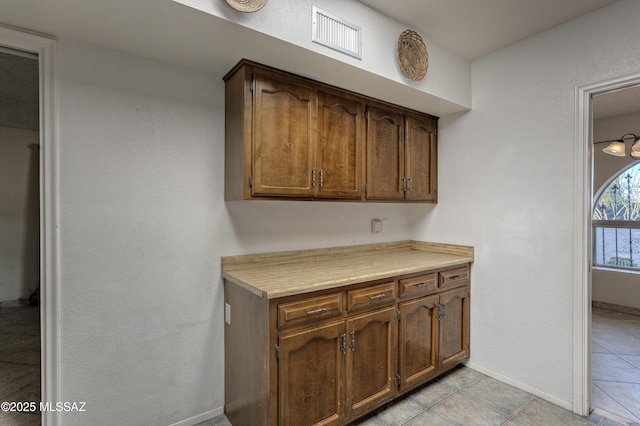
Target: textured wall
<point>507,187</point>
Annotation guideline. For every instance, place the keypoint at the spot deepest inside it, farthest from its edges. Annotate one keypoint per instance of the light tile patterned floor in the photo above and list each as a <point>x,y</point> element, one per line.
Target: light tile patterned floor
<point>20,361</point>
<point>616,363</point>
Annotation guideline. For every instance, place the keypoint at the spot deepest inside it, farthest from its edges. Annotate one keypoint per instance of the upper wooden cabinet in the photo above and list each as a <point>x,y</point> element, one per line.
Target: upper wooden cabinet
<point>401,155</point>
<point>293,138</point>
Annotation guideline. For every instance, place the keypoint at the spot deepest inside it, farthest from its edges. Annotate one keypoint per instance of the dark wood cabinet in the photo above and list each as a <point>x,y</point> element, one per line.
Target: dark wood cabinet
<point>287,137</point>
<point>338,170</point>
<point>418,330</point>
<point>371,360</point>
<point>454,326</point>
<point>401,155</point>
<point>311,376</point>
<point>283,137</point>
<point>385,154</point>
<point>421,180</point>
<point>329,357</point>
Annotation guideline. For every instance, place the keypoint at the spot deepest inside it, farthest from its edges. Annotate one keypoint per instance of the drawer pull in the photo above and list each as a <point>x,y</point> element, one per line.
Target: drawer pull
<point>457,278</point>
<point>377,296</point>
<point>422,285</point>
<point>317,311</point>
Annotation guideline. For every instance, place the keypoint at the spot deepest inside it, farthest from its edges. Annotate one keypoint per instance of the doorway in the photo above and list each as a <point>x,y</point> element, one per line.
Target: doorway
<point>583,188</point>
<point>615,336</point>
<point>20,326</point>
<point>45,50</point>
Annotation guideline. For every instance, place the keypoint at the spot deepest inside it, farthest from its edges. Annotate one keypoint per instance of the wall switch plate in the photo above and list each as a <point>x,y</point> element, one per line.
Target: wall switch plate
<point>227,313</point>
<point>385,225</point>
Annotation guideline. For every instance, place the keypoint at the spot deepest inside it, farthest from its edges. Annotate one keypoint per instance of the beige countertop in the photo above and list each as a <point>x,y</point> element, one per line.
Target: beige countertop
<point>272,275</point>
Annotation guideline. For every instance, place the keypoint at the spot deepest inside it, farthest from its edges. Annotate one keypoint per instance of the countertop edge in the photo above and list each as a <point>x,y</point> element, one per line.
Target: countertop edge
<point>463,254</point>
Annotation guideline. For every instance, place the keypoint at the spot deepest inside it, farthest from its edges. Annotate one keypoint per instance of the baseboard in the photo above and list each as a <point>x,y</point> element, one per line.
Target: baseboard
<point>617,308</point>
<point>207,415</point>
<point>14,303</point>
<point>552,399</point>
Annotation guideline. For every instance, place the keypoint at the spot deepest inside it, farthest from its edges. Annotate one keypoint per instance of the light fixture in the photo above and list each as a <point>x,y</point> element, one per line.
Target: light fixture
<point>617,147</point>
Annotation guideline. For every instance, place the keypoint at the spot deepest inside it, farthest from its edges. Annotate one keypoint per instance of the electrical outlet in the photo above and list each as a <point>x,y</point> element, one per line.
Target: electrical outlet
<point>376,226</point>
<point>227,313</point>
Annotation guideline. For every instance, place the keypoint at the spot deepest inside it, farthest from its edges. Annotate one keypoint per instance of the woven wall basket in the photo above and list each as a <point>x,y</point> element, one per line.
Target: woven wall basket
<point>247,5</point>
<point>412,55</point>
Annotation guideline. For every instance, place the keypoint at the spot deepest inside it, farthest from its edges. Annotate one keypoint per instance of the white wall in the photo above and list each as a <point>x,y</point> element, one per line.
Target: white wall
<point>143,226</point>
<point>446,87</point>
<point>19,217</point>
<point>506,173</point>
<point>609,286</point>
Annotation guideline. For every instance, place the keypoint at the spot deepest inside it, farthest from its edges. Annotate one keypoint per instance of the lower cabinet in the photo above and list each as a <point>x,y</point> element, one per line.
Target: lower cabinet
<point>336,355</point>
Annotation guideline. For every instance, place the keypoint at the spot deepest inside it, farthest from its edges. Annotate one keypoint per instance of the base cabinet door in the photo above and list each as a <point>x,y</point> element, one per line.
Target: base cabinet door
<point>418,329</point>
<point>311,370</point>
<point>371,360</point>
<point>454,326</point>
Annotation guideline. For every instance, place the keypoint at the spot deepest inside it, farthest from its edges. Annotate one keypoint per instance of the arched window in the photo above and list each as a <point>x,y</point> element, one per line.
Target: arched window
<point>616,222</point>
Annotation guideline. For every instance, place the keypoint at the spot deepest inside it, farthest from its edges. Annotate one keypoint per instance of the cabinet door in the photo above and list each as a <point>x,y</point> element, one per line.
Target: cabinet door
<point>339,156</point>
<point>283,123</point>
<point>418,333</point>
<point>311,371</point>
<point>421,147</point>
<point>385,154</point>
<point>371,360</point>
<point>454,326</point>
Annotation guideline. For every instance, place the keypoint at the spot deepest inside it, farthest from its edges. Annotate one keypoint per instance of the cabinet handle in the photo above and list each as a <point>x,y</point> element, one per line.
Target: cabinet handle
<point>410,184</point>
<point>377,296</point>
<point>313,177</point>
<point>317,311</point>
<point>343,345</point>
<point>352,346</point>
<point>457,277</point>
<point>321,177</point>
<point>422,285</point>
<point>404,184</point>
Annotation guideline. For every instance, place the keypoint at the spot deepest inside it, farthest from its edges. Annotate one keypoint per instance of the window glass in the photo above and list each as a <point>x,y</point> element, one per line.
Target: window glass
<point>616,222</point>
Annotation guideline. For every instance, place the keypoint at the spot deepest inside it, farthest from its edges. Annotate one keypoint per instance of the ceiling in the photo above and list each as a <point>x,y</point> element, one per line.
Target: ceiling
<point>468,28</point>
<point>473,28</point>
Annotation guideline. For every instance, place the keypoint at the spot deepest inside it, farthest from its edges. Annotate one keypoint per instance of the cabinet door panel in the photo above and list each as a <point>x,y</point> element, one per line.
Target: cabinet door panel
<point>339,157</point>
<point>284,116</point>
<point>371,360</point>
<point>385,154</point>
<point>311,371</point>
<point>418,333</point>
<point>421,158</point>
<point>454,326</point>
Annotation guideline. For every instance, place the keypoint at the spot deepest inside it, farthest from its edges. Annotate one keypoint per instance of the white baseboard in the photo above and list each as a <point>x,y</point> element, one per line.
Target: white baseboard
<point>552,399</point>
<point>200,417</point>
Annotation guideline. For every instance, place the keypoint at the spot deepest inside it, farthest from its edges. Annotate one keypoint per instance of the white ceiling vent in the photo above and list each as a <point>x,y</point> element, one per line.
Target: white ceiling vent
<point>336,33</point>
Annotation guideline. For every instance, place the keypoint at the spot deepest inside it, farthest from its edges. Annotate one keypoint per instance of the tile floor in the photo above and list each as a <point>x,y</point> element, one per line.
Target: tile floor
<point>20,361</point>
<point>615,364</point>
<point>462,397</point>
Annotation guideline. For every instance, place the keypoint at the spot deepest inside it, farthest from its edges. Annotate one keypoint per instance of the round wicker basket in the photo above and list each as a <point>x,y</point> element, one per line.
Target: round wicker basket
<point>247,5</point>
<point>412,55</point>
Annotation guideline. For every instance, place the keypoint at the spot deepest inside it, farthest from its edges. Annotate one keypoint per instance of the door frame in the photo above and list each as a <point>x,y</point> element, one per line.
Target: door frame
<point>45,48</point>
<point>582,204</point>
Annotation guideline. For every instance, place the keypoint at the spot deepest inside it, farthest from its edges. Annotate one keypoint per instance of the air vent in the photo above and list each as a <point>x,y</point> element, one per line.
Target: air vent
<point>336,33</point>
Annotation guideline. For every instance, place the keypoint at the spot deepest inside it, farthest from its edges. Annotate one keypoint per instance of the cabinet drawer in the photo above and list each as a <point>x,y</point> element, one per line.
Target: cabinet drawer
<point>454,277</point>
<point>368,297</point>
<point>418,286</point>
<point>309,309</point>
